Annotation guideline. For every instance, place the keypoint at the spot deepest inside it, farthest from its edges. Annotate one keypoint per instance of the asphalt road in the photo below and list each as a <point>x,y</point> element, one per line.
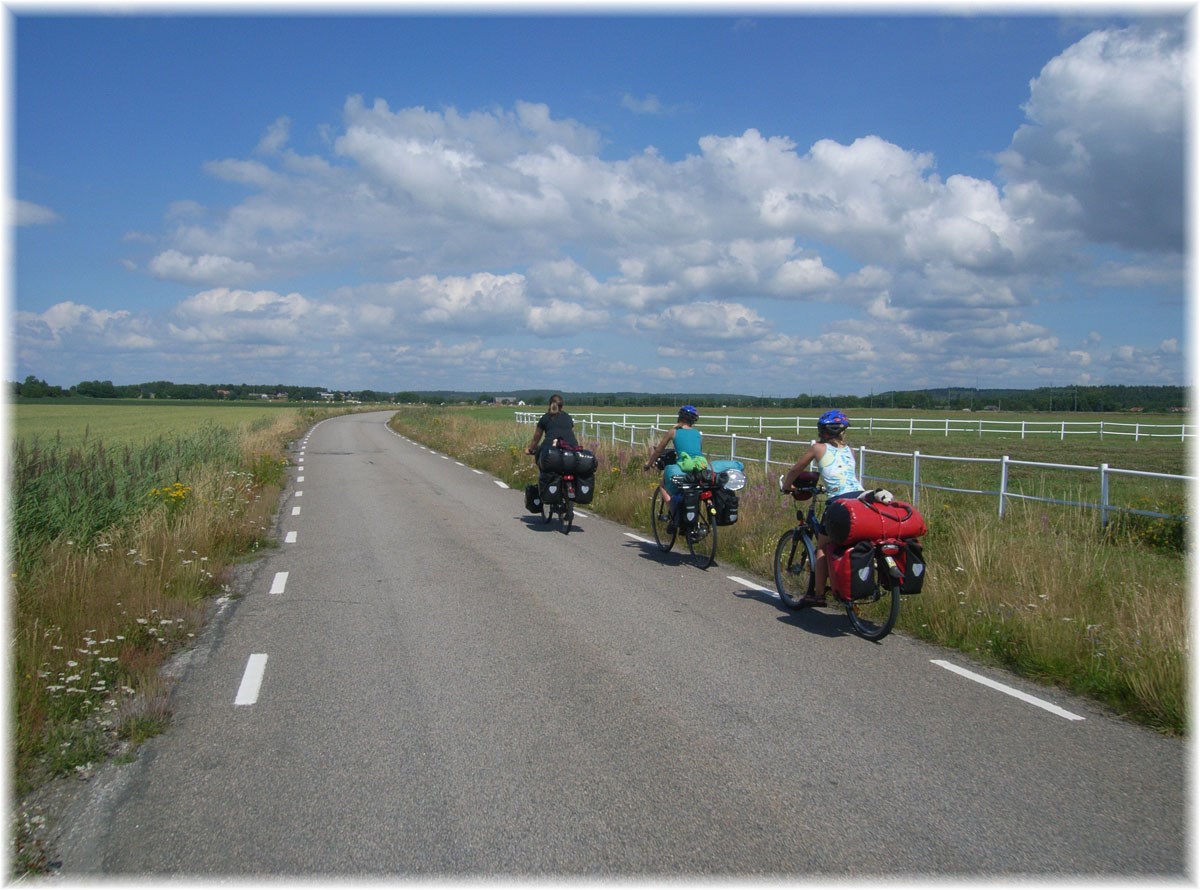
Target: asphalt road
<point>422,680</point>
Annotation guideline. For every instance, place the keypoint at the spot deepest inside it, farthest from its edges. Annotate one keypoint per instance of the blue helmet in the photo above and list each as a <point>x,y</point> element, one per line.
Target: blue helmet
<point>689,412</point>
<point>834,421</point>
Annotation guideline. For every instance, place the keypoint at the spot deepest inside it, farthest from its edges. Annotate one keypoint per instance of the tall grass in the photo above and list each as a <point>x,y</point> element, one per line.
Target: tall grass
<point>1045,591</point>
<point>116,552</point>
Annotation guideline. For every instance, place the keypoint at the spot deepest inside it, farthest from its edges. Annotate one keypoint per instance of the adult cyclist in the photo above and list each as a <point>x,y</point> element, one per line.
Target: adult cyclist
<point>687,440</point>
<point>556,425</point>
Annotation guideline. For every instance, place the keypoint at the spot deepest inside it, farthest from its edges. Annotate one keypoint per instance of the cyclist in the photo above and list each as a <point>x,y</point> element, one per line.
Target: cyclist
<point>556,425</point>
<point>687,441</point>
<point>835,461</point>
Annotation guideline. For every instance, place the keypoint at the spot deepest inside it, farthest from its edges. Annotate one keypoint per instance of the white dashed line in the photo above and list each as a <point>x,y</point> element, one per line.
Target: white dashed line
<point>477,472</point>
<point>295,511</point>
<point>736,580</point>
<point>1007,690</point>
<point>501,484</point>
<point>290,539</point>
<point>301,478</point>
<point>279,583</point>
<point>252,679</point>
<point>299,494</point>
<point>636,538</point>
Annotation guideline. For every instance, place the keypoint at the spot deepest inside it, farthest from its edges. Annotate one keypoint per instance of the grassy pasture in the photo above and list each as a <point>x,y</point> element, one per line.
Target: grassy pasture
<point>131,422</point>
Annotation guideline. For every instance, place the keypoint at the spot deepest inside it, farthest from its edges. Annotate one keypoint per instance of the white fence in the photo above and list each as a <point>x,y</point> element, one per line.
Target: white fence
<point>651,427</point>
<point>974,425</point>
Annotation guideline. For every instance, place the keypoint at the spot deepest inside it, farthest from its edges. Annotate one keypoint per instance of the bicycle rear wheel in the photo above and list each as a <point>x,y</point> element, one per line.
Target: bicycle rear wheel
<point>702,537</point>
<point>874,618</point>
<point>794,571</point>
<point>659,517</point>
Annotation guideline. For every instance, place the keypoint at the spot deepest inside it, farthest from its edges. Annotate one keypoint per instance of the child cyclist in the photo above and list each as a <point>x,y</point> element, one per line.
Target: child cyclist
<point>685,439</point>
<point>835,461</point>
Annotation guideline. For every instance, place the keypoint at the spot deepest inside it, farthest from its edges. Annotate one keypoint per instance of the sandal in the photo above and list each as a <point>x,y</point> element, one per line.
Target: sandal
<point>812,600</point>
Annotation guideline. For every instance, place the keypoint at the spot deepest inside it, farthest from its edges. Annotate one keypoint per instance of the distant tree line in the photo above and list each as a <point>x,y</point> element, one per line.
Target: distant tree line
<point>1155,399</point>
<point>35,388</point>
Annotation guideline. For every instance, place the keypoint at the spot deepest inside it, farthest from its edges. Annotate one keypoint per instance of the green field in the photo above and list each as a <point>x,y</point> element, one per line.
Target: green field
<point>131,422</point>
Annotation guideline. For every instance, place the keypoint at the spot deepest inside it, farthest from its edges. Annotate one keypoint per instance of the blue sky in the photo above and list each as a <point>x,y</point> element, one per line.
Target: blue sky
<point>794,201</point>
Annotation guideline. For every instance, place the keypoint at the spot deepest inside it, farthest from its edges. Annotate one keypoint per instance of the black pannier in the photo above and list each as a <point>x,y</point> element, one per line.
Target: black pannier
<point>726,502</point>
<point>585,489</point>
<point>550,488</point>
<point>914,567</point>
<point>533,499</point>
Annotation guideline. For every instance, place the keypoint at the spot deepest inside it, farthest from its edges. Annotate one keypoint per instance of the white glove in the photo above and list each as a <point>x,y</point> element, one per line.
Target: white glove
<point>782,476</point>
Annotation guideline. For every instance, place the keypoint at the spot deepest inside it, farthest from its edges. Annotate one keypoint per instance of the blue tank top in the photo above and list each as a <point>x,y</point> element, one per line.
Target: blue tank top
<point>687,439</point>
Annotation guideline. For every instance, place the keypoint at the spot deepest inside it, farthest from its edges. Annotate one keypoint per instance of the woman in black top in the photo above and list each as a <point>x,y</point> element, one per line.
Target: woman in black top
<point>555,424</point>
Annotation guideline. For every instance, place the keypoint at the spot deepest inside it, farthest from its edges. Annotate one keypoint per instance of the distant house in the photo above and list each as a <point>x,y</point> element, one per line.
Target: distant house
<point>224,393</point>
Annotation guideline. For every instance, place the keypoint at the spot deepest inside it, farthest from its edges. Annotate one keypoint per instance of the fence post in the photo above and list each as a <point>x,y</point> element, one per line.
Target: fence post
<point>1003,482</point>
<point>733,446</point>
<point>947,426</point>
<point>1103,495</point>
<point>1062,437</point>
<point>767,459</point>
<point>862,464</point>
<point>916,483</point>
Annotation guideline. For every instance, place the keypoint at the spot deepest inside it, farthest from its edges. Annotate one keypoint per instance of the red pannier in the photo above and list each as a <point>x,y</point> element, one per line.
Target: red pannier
<point>851,570</point>
<point>849,520</point>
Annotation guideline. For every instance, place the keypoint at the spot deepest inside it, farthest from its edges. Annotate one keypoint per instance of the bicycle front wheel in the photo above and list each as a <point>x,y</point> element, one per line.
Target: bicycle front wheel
<point>702,537</point>
<point>795,576</point>
<point>874,618</point>
<point>659,518</point>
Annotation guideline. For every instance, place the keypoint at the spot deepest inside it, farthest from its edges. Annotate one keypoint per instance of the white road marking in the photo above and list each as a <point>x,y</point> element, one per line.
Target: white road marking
<point>477,472</point>
<point>290,539</point>
<point>1007,690</point>
<point>299,478</point>
<point>636,538</point>
<point>736,580</point>
<point>501,484</point>
<point>279,583</point>
<point>299,494</point>
<point>295,511</point>
<point>252,679</point>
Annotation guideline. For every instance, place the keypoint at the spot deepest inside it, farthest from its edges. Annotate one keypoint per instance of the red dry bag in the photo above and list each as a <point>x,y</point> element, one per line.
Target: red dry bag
<point>848,520</point>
